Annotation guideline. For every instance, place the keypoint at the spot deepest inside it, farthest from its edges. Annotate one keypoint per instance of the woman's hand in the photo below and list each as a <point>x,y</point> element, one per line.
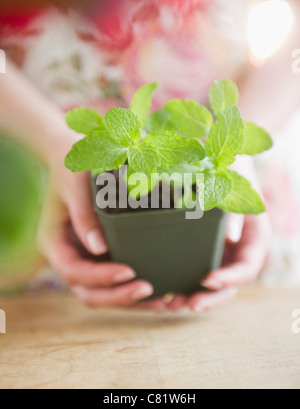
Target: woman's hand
<point>247,239</point>
<point>245,253</point>
<point>69,207</point>
<point>36,123</point>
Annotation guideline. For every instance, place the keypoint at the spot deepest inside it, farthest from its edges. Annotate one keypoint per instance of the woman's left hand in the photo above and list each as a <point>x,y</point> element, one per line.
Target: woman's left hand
<point>245,253</point>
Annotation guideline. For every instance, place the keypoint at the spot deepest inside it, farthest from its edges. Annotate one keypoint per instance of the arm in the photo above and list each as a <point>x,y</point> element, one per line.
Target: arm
<point>30,119</point>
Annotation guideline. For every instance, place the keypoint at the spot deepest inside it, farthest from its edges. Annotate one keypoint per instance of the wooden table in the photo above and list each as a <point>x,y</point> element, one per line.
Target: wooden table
<point>54,342</point>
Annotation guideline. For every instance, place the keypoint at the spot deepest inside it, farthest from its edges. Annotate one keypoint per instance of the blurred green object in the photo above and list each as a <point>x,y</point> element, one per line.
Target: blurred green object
<point>23,182</point>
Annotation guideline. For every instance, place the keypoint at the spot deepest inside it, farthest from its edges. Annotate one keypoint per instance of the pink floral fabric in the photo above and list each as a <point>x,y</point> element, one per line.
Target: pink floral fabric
<point>112,47</point>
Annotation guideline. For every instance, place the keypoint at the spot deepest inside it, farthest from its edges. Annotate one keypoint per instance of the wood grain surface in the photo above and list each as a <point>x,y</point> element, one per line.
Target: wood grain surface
<point>54,342</point>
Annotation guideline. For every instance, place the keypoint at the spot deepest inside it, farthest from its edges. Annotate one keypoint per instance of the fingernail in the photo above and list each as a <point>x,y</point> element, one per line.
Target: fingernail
<point>168,298</point>
<point>124,276</point>
<point>96,243</point>
<point>234,231</point>
<point>143,293</point>
<point>212,284</point>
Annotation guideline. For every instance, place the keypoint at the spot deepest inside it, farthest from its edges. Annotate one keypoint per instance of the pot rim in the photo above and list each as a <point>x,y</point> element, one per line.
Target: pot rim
<point>149,213</point>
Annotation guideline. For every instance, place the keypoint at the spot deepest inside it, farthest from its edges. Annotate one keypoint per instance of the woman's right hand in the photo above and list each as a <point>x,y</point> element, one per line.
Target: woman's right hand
<point>69,208</point>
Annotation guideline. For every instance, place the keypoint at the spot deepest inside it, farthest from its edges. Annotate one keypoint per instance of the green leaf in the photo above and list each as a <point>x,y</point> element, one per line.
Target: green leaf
<point>143,158</point>
<point>182,170</point>
<point>214,189</point>
<point>226,138</point>
<point>174,149</point>
<point>160,121</point>
<point>223,94</point>
<point>190,118</point>
<point>257,140</point>
<point>142,102</point>
<point>98,151</point>
<point>123,125</point>
<point>96,172</point>
<point>85,121</point>
<point>242,198</point>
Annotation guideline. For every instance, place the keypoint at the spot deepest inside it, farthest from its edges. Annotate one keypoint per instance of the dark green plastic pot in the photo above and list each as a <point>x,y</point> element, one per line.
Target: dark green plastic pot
<point>163,247</point>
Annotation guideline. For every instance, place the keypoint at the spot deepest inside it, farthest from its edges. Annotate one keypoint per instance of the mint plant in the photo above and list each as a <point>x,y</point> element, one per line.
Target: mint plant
<point>183,137</point>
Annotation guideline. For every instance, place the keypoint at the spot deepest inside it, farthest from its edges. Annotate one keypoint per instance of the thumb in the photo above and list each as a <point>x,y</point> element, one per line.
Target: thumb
<point>85,221</point>
<point>234,228</point>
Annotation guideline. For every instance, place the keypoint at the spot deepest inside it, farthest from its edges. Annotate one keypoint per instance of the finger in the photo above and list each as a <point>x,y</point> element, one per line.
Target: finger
<point>84,219</point>
<point>76,270</point>
<point>249,257</point>
<point>178,302</point>
<point>238,274</point>
<point>157,305</point>
<point>234,227</point>
<point>202,302</point>
<point>122,295</point>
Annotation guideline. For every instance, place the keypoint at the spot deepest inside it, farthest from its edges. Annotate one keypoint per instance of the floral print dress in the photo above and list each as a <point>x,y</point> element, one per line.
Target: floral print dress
<point>107,52</point>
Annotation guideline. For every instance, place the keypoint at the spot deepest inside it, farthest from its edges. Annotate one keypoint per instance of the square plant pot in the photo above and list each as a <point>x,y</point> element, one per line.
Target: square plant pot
<point>163,247</point>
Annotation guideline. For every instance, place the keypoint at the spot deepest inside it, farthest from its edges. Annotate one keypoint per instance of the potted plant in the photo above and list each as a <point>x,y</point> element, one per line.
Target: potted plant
<point>169,245</point>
